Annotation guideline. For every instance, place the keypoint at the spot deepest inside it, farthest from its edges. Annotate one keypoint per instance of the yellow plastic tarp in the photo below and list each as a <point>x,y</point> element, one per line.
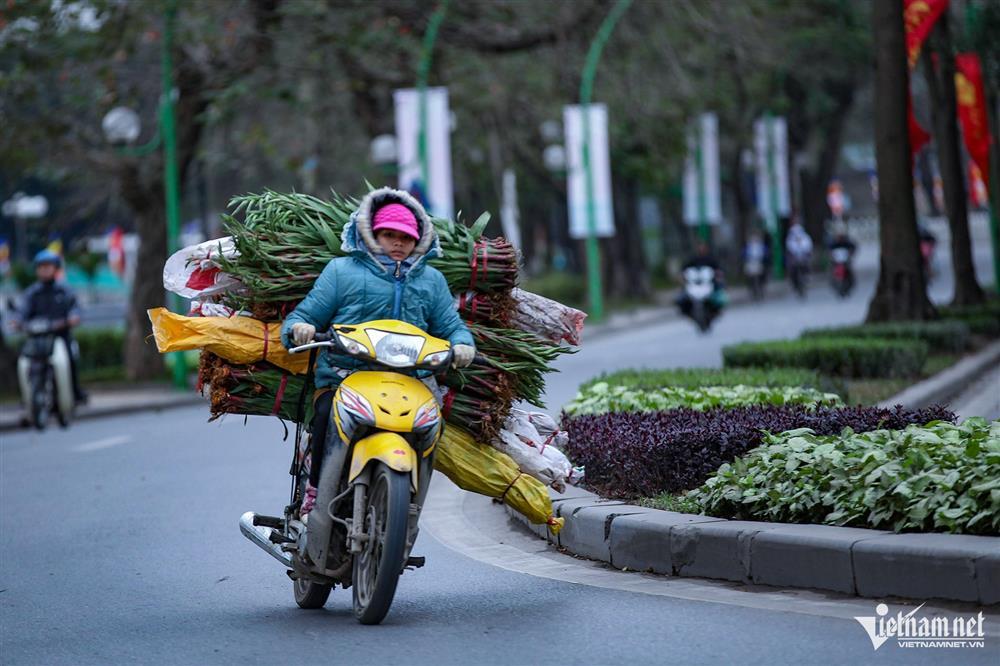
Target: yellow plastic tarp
<point>484,470</point>
<point>237,339</point>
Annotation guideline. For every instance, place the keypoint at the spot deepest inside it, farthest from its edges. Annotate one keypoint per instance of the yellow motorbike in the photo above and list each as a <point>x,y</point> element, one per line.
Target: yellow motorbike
<point>375,475</point>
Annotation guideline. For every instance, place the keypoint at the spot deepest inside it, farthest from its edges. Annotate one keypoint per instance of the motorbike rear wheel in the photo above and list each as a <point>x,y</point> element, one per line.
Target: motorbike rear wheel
<point>377,568</point>
<point>310,595</point>
<point>41,400</point>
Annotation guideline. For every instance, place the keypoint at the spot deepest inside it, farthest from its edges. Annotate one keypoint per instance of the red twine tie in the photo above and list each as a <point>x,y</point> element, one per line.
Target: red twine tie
<point>280,395</point>
<point>449,398</point>
<point>510,485</point>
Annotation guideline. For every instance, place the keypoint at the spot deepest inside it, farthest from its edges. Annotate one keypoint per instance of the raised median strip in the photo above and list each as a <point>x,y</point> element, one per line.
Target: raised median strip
<point>868,563</point>
<point>949,382</point>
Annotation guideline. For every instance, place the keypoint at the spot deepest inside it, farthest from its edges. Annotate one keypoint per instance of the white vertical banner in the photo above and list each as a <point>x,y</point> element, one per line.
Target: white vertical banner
<point>770,142</point>
<point>600,165</point>
<point>509,215</point>
<point>435,189</point>
<point>702,187</point>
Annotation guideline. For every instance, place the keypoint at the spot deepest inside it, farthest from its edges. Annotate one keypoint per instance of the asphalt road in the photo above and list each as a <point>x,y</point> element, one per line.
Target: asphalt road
<point>119,545</point>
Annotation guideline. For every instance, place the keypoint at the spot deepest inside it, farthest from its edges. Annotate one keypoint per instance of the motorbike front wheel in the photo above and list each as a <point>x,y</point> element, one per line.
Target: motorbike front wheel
<point>41,400</point>
<point>310,595</point>
<point>378,566</point>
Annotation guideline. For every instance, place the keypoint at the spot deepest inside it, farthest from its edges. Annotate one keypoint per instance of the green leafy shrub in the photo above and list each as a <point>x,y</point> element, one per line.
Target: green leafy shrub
<point>948,335</point>
<point>938,477</point>
<point>983,319</point>
<point>601,398</point>
<point>698,377</point>
<point>563,287</point>
<point>842,357</point>
<point>100,347</point>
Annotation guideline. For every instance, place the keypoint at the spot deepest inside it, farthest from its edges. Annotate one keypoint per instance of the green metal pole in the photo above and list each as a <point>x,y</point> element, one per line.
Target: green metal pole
<point>777,247</point>
<point>423,73</point>
<point>171,180</point>
<point>702,202</point>
<point>586,93</point>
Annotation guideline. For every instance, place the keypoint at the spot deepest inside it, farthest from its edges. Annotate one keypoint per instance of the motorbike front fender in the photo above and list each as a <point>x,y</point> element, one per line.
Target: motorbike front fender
<point>387,447</point>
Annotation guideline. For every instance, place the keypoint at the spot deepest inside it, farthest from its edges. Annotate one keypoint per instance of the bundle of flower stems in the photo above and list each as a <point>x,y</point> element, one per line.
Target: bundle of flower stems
<point>259,389</point>
<point>283,242</point>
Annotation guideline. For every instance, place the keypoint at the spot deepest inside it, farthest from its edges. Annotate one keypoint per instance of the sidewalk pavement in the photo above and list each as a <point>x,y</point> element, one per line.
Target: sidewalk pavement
<point>114,401</point>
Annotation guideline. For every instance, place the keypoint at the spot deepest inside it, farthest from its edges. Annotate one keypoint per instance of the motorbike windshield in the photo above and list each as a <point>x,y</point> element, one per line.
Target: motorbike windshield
<point>395,349</point>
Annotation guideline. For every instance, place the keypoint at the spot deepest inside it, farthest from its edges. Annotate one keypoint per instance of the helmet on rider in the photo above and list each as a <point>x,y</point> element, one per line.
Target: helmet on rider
<point>47,257</point>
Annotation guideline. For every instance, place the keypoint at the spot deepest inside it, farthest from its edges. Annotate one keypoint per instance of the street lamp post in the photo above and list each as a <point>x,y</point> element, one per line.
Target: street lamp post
<point>586,93</point>
<point>121,126</point>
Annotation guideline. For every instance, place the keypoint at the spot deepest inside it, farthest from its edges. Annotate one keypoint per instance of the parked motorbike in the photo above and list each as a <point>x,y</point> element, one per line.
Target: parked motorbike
<point>840,271</point>
<point>375,476</point>
<point>699,287</point>
<point>44,373</point>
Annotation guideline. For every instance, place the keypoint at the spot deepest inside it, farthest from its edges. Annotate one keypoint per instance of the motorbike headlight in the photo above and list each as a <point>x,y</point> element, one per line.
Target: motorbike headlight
<point>396,349</point>
<point>437,358</point>
<point>352,346</point>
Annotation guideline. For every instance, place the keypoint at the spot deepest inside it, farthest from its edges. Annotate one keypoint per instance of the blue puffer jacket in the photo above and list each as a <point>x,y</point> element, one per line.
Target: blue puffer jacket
<point>358,288</point>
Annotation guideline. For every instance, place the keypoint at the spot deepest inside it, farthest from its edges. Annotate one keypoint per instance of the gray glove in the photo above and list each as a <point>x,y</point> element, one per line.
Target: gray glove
<point>302,333</point>
<point>462,355</point>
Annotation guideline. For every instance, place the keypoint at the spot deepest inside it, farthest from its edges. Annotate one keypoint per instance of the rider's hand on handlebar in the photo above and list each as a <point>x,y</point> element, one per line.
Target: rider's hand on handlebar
<point>303,333</point>
<point>462,355</point>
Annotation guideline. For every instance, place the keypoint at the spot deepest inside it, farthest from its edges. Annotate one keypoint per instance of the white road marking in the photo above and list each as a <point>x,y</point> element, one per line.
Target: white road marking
<point>463,522</point>
<point>105,443</point>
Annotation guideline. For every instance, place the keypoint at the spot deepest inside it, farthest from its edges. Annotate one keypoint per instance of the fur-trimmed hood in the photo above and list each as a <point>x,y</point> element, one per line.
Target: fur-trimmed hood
<point>359,239</point>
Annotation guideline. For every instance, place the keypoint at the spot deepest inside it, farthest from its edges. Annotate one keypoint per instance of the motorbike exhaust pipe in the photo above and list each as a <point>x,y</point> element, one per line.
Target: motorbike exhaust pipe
<point>260,535</point>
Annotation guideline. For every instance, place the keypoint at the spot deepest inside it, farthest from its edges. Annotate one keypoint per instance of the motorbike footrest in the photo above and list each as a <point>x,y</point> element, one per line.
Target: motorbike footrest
<point>268,521</point>
<point>416,562</point>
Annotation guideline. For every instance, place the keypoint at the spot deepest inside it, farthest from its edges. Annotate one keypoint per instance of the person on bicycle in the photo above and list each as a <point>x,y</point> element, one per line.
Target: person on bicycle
<point>49,299</point>
<point>389,240</point>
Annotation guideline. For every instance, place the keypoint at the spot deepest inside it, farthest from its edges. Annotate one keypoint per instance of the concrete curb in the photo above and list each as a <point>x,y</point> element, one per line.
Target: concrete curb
<point>862,562</point>
<point>167,401</point>
<point>948,383</point>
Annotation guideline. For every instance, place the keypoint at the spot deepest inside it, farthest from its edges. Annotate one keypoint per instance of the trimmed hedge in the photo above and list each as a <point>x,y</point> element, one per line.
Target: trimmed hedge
<point>938,477</point>
<point>947,335</point>
<point>642,454</point>
<point>600,398</point>
<point>100,347</point>
<point>692,378</point>
<point>843,357</point>
<point>981,319</point>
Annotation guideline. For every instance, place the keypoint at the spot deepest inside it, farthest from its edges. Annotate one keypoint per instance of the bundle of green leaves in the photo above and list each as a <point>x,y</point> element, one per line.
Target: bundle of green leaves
<point>600,398</point>
<point>938,477</point>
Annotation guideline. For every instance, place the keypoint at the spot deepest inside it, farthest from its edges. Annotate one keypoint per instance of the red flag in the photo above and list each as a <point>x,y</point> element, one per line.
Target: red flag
<point>972,110</point>
<point>918,135</point>
<point>919,16</point>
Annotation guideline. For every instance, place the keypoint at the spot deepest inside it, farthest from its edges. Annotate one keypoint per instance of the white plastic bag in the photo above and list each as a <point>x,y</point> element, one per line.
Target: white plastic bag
<point>550,319</point>
<point>194,271</point>
<point>534,453</point>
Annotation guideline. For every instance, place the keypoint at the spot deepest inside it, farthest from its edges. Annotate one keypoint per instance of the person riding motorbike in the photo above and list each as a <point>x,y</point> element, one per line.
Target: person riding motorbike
<point>842,250</point>
<point>49,299</point>
<point>703,259</point>
<point>389,240</point>
<point>755,262</point>
<point>798,249</point>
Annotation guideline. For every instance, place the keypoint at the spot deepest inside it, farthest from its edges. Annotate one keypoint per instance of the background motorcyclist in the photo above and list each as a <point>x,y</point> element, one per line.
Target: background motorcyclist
<point>842,241</point>
<point>389,239</point>
<point>798,251</point>
<point>756,258</point>
<point>703,258</point>
<point>49,299</point>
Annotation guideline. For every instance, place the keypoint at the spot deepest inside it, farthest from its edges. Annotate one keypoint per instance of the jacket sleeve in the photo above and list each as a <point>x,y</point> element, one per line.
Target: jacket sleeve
<point>73,306</point>
<point>319,306</point>
<point>444,321</point>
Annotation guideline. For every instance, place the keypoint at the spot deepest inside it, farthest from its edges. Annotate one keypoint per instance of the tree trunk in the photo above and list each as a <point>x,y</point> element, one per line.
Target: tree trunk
<point>142,360</point>
<point>901,292</point>
<point>941,84</point>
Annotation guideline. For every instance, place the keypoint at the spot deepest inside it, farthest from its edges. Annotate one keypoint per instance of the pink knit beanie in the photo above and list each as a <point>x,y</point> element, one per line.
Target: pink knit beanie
<point>397,217</point>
